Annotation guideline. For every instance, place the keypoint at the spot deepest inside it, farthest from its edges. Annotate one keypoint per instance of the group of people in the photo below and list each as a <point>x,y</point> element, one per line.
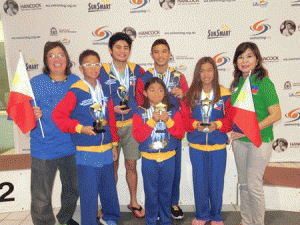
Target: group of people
<point>146,114</point>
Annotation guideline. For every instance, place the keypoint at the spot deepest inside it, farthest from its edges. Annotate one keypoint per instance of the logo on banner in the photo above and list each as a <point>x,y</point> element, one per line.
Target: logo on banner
<point>100,6</point>
<point>280,145</point>
<point>11,7</point>
<point>293,117</point>
<point>130,32</point>
<point>149,33</point>
<point>261,3</point>
<point>181,68</point>
<point>220,33</point>
<point>167,4</point>
<point>34,6</point>
<point>33,65</point>
<point>102,36</point>
<point>65,41</point>
<point>287,28</point>
<point>297,94</point>
<point>270,59</point>
<point>188,2</point>
<point>261,28</point>
<point>295,145</point>
<point>221,60</point>
<point>61,6</point>
<point>53,31</point>
<point>139,6</point>
<point>287,85</point>
<point>296,3</point>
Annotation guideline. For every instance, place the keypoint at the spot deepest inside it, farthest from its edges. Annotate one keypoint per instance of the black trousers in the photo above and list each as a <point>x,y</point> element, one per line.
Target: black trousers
<point>42,179</point>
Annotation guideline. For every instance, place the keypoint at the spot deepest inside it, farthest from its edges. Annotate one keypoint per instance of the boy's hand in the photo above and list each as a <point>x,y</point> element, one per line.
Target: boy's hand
<point>177,92</point>
<point>115,153</point>
<point>156,116</point>
<point>118,109</point>
<point>88,130</point>
<point>164,116</point>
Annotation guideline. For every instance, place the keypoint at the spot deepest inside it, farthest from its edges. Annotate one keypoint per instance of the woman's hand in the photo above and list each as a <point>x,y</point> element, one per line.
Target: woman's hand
<point>177,92</point>
<point>236,135</point>
<point>88,130</point>
<point>37,112</point>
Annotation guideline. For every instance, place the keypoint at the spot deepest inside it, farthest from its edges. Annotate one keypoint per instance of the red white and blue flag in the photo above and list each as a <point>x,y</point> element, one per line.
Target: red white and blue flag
<point>244,115</point>
<point>19,108</point>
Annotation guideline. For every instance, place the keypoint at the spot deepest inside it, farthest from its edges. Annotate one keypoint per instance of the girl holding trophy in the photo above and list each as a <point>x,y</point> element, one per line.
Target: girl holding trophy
<point>203,113</point>
<point>156,126</point>
<point>89,116</point>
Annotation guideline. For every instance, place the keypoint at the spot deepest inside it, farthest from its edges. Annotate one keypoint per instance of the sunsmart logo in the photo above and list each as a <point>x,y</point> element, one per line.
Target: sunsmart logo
<point>139,3</point>
<point>102,34</point>
<point>221,60</point>
<point>261,28</point>
<point>100,6</point>
<point>220,33</point>
<point>297,94</point>
<point>33,65</point>
<point>293,116</point>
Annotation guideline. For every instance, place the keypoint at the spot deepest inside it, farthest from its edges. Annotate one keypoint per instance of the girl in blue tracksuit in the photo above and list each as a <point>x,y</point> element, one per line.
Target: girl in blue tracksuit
<point>153,129</point>
<point>207,147</point>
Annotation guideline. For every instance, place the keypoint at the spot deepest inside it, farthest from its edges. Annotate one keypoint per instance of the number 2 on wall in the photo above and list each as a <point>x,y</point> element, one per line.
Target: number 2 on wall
<point>10,190</point>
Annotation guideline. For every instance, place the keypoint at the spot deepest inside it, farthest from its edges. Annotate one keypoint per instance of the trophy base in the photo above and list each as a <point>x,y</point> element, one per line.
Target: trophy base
<point>98,128</point>
<point>205,124</point>
<point>160,144</point>
<point>124,103</point>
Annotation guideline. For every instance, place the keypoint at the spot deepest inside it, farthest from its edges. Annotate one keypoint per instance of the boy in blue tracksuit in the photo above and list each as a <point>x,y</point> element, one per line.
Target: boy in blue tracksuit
<point>96,152</point>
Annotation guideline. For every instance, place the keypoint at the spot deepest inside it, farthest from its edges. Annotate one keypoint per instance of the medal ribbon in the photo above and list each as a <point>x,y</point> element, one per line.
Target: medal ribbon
<point>166,77</point>
<point>97,96</point>
<point>123,81</point>
<point>159,126</point>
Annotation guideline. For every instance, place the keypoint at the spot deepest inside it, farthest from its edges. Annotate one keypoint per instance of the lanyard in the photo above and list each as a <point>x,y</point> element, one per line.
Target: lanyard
<point>166,77</point>
<point>161,126</point>
<point>123,81</point>
<point>97,96</point>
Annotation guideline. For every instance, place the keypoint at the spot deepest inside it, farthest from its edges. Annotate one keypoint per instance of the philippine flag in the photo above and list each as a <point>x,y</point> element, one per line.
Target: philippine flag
<point>244,115</point>
<point>19,108</point>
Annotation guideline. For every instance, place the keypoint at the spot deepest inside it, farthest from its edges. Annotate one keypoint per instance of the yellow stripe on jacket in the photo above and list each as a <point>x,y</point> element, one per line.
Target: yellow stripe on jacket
<point>207,148</point>
<point>159,156</point>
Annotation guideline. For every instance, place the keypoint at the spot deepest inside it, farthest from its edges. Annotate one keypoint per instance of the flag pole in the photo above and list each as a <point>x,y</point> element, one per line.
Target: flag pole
<point>41,126</point>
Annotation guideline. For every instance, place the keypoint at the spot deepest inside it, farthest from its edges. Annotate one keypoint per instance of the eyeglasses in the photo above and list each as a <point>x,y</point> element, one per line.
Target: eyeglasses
<point>89,65</point>
<point>53,56</point>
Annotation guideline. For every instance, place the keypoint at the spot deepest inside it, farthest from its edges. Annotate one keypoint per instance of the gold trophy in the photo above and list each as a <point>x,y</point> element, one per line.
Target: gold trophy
<point>123,95</point>
<point>162,141</point>
<point>176,79</point>
<point>206,105</point>
<point>99,121</point>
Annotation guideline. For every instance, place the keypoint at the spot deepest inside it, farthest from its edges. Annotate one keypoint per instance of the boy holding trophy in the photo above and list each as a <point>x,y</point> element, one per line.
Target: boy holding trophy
<point>177,86</point>
<point>89,116</point>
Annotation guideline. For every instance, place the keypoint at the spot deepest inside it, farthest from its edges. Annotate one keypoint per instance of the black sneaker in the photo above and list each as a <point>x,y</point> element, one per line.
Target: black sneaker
<point>72,222</point>
<point>176,212</point>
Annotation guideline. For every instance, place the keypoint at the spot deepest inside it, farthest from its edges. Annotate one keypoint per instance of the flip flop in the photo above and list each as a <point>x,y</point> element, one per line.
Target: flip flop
<point>133,209</point>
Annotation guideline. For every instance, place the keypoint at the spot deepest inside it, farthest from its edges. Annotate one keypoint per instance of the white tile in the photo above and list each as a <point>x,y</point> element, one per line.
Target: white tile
<point>3,215</point>
<point>227,208</point>
<point>237,207</point>
<point>26,223</point>
<point>289,165</point>
<point>17,215</point>
<point>10,222</point>
<point>28,218</point>
<point>187,208</point>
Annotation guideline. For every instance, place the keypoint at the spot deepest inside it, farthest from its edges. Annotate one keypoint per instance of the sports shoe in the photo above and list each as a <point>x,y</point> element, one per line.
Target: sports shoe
<point>216,223</point>
<point>70,222</point>
<point>176,212</point>
<point>199,222</point>
<point>109,222</point>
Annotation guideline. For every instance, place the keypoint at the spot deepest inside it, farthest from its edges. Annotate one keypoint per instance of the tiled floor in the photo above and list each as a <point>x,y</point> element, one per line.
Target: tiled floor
<point>230,214</point>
